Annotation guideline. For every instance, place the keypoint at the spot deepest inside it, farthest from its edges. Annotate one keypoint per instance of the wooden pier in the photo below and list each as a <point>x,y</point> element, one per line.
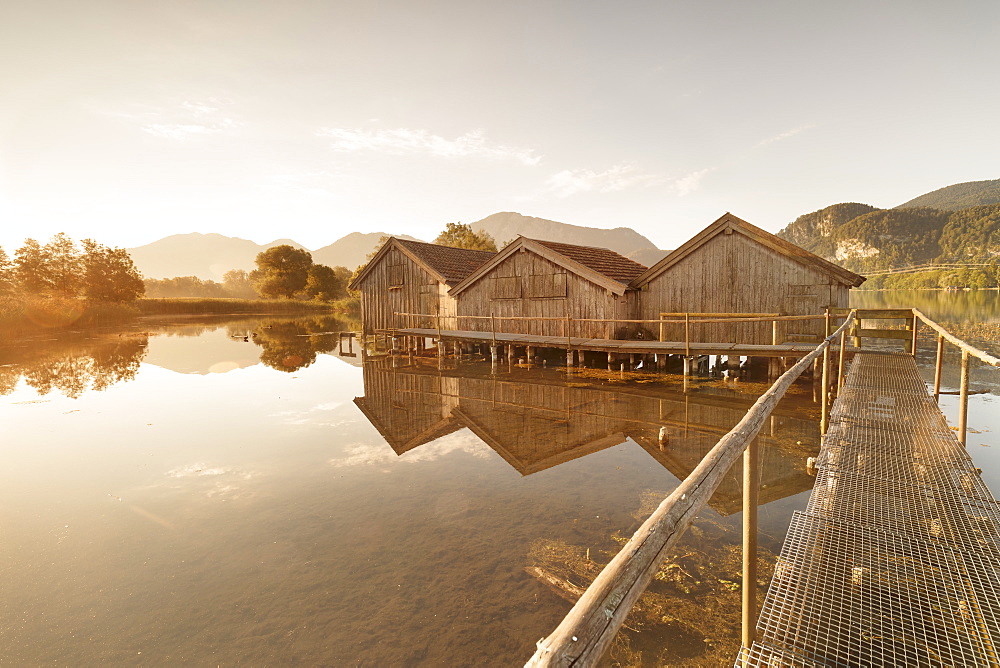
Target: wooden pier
<point>896,559</point>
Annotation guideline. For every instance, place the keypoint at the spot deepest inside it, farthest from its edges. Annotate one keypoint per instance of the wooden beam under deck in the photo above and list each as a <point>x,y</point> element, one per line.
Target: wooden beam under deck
<point>612,345</point>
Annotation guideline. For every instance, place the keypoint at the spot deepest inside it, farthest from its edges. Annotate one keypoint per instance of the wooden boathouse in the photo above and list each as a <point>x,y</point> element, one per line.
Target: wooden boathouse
<point>734,267</point>
<point>533,286</point>
<point>413,277</point>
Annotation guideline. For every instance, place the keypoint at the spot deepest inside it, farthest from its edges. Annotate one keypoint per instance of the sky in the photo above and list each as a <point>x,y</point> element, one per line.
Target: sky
<point>129,120</point>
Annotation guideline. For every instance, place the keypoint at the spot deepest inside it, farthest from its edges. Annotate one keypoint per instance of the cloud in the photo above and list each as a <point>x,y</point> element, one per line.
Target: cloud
<point>181,131</point>
<point>784,135</point>
<point>363,454</point>
<point>404,141</point>
<point>618,177</point>
<point>688,184</point>
<point>188,119</point>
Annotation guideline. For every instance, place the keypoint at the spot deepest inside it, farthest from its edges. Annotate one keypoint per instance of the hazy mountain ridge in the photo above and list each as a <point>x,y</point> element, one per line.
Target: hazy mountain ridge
<point>507,225</point>
<point>864,238</point>
<point>209,256</point>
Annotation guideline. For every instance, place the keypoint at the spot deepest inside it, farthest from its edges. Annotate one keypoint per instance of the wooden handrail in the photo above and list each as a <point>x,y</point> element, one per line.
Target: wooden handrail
<point>589,628</point>
<point>650,322</point>
<point>954,340</point>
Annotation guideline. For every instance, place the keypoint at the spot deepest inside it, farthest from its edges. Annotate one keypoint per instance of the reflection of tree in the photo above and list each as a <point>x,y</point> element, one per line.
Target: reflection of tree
<point>72,367</point>
<point>291,345</point>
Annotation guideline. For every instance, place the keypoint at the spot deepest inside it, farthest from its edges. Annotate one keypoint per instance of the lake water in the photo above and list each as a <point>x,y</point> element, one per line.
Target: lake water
<point>248,492</point>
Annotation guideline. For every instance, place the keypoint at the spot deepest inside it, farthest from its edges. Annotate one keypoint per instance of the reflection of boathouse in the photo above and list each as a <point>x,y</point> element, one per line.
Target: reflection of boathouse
<point>538,422</point>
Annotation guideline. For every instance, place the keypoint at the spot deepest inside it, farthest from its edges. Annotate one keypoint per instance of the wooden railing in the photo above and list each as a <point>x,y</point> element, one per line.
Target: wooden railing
<point>589,628</point>
<point>686,319</point>
<point>968,351</point>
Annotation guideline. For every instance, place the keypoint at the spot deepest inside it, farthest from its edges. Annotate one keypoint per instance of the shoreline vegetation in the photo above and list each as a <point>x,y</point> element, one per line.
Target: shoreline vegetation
<point>27,315</point>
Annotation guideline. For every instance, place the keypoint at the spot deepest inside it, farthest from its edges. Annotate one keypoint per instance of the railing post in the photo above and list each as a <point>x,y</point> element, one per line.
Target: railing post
<point>687,335</point>
<point>913,343</point>
<point>937,368</point>
<point>963,408</point>
<point>750,494</point>
<point>774,332</point>
<point>824,421</point>
<point>840,362</point>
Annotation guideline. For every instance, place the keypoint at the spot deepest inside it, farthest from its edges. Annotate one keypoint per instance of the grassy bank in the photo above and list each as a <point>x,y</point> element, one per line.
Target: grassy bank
<point>172,306</point>
<point>23,316</point>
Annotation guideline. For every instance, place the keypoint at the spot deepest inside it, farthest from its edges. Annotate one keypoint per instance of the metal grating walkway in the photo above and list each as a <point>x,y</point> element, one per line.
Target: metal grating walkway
<point>896,559</point>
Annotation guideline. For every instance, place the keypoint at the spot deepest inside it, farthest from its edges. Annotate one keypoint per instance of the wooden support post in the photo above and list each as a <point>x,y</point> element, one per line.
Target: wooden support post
<point>495,354</point>
<point>937,367</point>
<point>569,359</point>
<point>529,354</point>
<point>688,366</point>
<point>824,422</point>
<point>687,335</point>
<point>510,353</point>
<point>631,361</point>
<point>733,365</point>
<point>610,361</point>
<point>840,362</point>
<point>913,342</point>
<point>774,333</point>
<point>395,345</point>
<point>750,492</point>
<point>963,397</point>
<point>661,329</point>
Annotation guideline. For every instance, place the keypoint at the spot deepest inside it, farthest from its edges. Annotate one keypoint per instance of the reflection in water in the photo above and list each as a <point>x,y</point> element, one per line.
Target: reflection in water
<point>535,420</point>
<point>73,365</point>
<point>257,516</point>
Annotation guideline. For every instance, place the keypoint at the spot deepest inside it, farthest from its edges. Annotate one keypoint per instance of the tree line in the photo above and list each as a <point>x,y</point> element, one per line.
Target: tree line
<point>283,272</point>
<point>62,268</point>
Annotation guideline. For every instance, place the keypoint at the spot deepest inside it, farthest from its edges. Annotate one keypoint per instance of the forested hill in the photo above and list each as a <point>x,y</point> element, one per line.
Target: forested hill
<point>958,196</point>
<point>864,238</point>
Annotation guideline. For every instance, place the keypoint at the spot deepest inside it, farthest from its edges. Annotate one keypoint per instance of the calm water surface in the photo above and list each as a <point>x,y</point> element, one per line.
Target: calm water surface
<point>180,494</point>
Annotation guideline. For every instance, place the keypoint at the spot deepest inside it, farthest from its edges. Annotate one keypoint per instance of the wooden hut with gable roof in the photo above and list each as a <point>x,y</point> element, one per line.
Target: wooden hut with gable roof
<point>734,267</point>
<point>413,277</point>
<point>531,278</point>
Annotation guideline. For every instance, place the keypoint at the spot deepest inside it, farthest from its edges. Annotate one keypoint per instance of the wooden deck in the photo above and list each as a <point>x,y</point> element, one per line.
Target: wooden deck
<point>896,559</point>
<point>608,345</point>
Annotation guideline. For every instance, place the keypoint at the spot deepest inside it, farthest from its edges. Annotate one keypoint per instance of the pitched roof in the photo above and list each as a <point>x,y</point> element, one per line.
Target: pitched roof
<point>601,260</point>
<point>452,264</point>
<point>777,244</point>
<point>598,265</point>
<point>447,264</point>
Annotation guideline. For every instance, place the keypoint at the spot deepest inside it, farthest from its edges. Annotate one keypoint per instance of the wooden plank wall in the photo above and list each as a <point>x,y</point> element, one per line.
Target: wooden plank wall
<point>419,293</point>
<point>528,285</point>
<point>734,274</point>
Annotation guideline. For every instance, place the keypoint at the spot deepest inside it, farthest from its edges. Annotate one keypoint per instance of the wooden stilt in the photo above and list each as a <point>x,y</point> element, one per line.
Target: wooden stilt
<point>750,494</point>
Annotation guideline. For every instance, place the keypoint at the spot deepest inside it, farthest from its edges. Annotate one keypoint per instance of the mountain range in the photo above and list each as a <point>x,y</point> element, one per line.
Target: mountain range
<point>959,223</point>
<point>954,223</point>
<point>209,256</point>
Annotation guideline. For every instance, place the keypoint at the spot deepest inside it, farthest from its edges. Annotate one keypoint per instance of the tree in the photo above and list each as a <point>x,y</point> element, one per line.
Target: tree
<point>238,284</point>
<point>7,282</point>
<point>30,268</point>
<point>281,271</point>
<point>109,275</point>
<point>459,235</point>
<point>323,284</point>
<point>65,265</point>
